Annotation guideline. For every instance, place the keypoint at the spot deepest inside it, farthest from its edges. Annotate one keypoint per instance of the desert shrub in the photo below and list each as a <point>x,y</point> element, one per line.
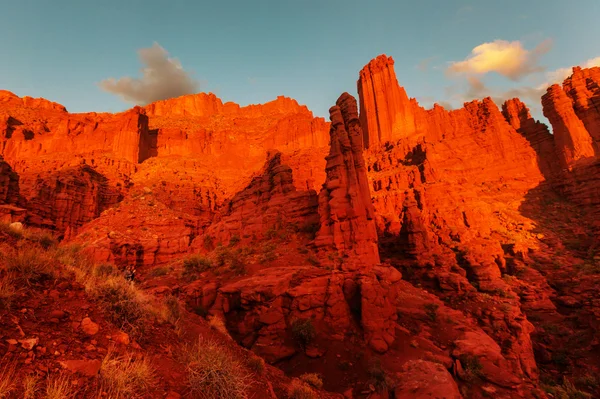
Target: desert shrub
<point>208,242</point>
<point>431,311</point>
<point>125,376</point>
<point>194,265</point>
<point>235,259</point>
<point>213,373</point>
<point>267,252</point>
<point>565,391</point>
<point>125,305</point>
<point>173,308</point>
<point>31,264</point>
<point>379,377</point>
<point>471,365</point>
<point>43,238</point>
<point>103,270</point>
<point>312,379</point>
<point>31,386</point>
<point>8,291</point>
<point>8,374</point>
<point>256,364</point>
<point>299,390</point>
<point>60,387</point>
<point>234,240</point>
<point>303,331</point>
<point>589,381</point>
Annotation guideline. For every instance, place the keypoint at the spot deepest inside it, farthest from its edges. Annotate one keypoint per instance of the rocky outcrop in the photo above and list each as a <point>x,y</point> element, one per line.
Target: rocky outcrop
<point>385,110</point>
<point>574,113</point>
<point>9,184</point>
<point>572,140</point>
<point>196,105</point>
<point>583,87</point>
<point>10,99</point>
<point>132,140</point>
<point>9,194</point>
<point>269,203</point>
<point>345,208</point>
<point>421,379</point>
<point>140,232</point>
<point>67,199</point>
<point>539,137</point>
<point>262,311</point>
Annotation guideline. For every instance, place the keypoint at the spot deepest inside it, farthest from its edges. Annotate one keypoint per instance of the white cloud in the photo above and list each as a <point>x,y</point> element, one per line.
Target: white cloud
<point>162,78</point>
<point>559,75</point>
<point>509,59</point>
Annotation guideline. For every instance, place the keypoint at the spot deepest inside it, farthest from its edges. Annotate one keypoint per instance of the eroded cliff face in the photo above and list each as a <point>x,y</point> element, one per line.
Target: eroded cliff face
<point>573,110</point>
<point>171,146</point>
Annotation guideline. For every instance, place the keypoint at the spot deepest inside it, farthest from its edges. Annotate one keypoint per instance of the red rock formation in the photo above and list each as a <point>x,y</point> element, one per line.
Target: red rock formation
<point>178,141</point>
<point>385,110</point>
<point>132,142</point>
<point>574,113</point>
<point>270,202</point>
<point>583,87</point>
<point>10,99</point>
<point>9,184</point>
<point>199,105</point>
<point>346,212</point>
<point>67,199</point>
<point>572,140</point>
<point>539,137</point>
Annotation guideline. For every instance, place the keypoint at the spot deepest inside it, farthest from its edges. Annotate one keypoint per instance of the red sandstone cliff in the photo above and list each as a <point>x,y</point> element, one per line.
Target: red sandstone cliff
<point>385,110</point>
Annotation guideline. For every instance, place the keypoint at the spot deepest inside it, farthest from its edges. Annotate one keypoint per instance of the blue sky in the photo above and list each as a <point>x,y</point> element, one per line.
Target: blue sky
<point>252,51</point>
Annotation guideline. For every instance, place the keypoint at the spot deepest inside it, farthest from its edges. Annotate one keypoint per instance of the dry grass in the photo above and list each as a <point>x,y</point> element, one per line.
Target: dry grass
<point>60,387</point>
<point>312,379</point>
<point>30,264</point>
<point>213,373</point>
<point>8,384</point>
<point>299,390</point>
<point>125,304</point>
<point>8,291</point>
<point>31,386</point>
<point>125,376</point>
<point>218,324</point>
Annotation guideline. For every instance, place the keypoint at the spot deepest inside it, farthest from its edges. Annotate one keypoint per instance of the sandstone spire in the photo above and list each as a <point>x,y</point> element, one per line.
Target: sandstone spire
<point>345,208</point>
<point>572,140</point>
<point>385,109</point>
<point>517,115</point>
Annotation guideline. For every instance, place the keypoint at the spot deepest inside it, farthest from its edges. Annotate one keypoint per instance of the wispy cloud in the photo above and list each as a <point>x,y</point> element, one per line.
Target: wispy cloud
<point>559,75</point>
<point>509,59</point>
<point>424,64</point>
<point>162,78</point>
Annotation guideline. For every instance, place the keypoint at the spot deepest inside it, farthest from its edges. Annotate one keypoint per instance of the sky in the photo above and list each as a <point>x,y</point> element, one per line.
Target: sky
<point>109,55</point>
